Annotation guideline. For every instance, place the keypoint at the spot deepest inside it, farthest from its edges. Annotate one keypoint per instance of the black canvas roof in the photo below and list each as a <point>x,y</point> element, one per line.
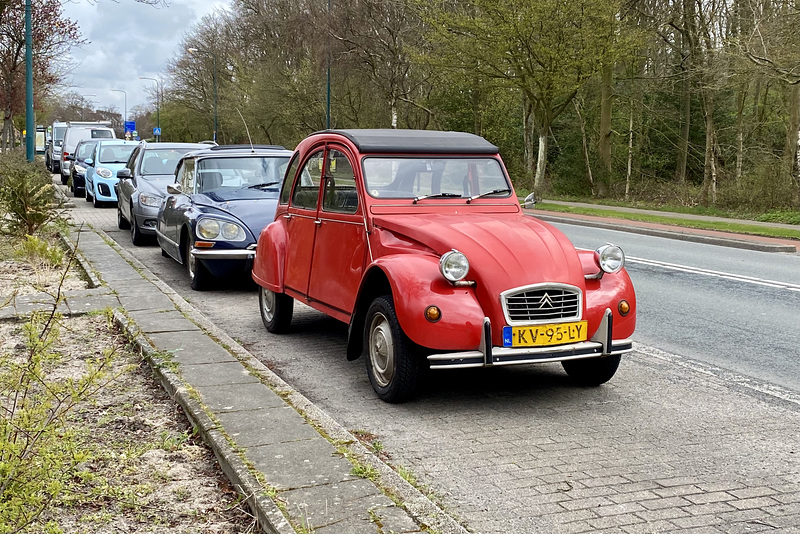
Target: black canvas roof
<point>418,141</point>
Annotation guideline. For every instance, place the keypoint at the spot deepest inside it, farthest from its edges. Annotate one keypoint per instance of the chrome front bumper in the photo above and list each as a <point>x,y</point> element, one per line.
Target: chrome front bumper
<point>224,254</point>
<point>600,345</point>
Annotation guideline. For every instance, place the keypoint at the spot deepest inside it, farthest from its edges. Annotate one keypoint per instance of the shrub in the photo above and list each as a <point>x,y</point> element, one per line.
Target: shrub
<point>27,201</point>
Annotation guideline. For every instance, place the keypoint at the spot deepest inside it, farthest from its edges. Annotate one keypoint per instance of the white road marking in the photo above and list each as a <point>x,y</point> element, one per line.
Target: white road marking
<point>724,375</point>
<point>716,274</point>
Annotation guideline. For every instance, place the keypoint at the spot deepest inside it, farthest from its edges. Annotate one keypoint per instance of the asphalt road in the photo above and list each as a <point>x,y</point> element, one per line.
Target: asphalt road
<point>670,444</point>
<point>732,308</point>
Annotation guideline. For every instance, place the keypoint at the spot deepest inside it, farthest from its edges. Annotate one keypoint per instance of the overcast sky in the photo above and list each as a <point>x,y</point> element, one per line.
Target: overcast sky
<point>128,39</point>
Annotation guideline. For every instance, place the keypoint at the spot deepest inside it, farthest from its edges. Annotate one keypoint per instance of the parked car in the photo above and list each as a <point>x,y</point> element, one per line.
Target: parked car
<point>417,241</point>
<point>75,134</point>
<point>77,171</point>
<point>143,185</point>
<point>107,158</point>
<point>52,155</point>
<point>221,199</point>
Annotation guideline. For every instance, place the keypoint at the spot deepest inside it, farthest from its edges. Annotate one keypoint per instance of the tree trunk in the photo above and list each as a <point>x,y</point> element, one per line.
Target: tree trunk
<point>709,167</point>
<point>528,139</point>
<point>630,156</point>
<point>740,102</point>
<point>686,117</point>
<point>604,140</point>
<point>541,161</point>
<point>585,146</point>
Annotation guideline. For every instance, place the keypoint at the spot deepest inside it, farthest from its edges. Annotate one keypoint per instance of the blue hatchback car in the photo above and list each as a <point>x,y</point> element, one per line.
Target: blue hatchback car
<point>222,198</point>
<point>101,169</point>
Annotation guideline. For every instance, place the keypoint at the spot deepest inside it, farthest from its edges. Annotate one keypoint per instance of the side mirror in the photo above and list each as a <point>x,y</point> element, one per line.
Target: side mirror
<point>529,202</point>
<point>123,174</point>
<point>70,157</point>
<point>88,161</point>
<point>174,189</point>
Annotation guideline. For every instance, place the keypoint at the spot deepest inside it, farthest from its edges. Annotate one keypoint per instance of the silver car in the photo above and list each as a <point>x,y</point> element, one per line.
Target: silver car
<point>143,185</point>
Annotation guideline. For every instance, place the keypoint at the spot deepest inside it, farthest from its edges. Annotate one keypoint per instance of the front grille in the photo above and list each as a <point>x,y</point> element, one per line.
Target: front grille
<point>543,304</point>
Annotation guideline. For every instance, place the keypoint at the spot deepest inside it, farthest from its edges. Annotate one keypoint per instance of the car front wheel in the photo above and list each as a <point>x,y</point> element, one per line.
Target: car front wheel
<point>122,222</point>
<point>137,238</point>
<point>592,371</point>
<point>276,310</point>
<point>198,274</point>
<point>393,363</point>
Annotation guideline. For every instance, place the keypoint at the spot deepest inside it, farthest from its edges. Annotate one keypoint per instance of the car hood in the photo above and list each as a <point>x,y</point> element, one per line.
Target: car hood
<point>155,184</point>
<point>504,250</point>
<point>255,212</point>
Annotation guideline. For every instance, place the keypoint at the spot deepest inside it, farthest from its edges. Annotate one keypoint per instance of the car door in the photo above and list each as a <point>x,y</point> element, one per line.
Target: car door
<point>125,185</point>
<point>177,208</point>
<point>301,223</point>
<point>340,240</point>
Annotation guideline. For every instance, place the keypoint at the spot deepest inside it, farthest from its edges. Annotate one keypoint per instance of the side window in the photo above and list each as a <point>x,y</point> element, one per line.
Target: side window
<point>340,194</point>
<point>132,159</point>
<point>306,190</point>
<point>186,176</point>
<point>288,178</point>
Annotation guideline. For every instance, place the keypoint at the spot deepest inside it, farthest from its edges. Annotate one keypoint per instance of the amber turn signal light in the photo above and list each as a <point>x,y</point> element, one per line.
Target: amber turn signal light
<point>624,308</point>
<point>433,314</point>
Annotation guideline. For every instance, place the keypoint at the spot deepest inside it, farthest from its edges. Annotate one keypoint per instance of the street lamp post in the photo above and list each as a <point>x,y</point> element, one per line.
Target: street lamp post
<point>214,58</point>
<point>158,107</point>
<point>125,113</point>
<point>30,125</point>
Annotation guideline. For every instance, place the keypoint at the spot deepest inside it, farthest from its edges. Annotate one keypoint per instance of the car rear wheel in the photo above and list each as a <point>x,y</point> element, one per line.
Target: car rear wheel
<point>276,310</point>
<point>592,371</point>
<point>393,363</point>
<point>198,274</point>
<point>137,238</point>
<point>64,179</point>
<point>122,222</point>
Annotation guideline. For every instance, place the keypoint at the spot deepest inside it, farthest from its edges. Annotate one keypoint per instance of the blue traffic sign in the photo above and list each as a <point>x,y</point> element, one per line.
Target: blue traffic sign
<point>156,131</point>
<point>130,126</point>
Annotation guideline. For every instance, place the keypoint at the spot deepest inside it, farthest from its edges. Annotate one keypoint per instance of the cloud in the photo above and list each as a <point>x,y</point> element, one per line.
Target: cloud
<point>128,39</point>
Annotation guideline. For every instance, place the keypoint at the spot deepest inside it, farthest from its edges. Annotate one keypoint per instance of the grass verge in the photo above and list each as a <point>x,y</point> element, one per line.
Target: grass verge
<point>722,226</point>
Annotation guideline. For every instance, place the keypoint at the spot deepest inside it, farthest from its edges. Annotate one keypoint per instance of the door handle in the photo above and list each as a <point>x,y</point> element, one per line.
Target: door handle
<point>288,216</point>
<point>318,222</point>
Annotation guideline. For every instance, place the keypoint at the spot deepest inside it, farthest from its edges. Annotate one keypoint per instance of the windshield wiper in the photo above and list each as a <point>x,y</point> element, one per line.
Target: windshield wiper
<point>265,184</point>
<point>492,192</point>
<point>437,195</point>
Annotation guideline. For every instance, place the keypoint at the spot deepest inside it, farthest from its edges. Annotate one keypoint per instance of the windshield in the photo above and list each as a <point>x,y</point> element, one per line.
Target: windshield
<point>397,177</point>
<point>115,153</point>
<point>58,134</point>
<point>102,134</point>
<point>162,161</point>
<point>85,150</point>
<point>264,172</point>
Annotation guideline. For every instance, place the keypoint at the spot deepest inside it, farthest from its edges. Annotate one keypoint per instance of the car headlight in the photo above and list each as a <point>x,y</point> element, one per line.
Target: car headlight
<point>454,265</point>
<point>103,172</point>
<point>150,200</point>
<point>610,258</point>
<point>218,229</point>
<point>80,169</point>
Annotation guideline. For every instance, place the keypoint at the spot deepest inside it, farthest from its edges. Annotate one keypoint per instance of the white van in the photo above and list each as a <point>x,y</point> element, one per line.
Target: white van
<point>72,136</point>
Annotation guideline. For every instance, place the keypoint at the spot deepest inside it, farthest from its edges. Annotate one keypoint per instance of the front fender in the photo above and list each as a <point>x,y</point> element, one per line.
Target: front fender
<point>416,284</point>
<point>606,293</point>
<point>269,262</point>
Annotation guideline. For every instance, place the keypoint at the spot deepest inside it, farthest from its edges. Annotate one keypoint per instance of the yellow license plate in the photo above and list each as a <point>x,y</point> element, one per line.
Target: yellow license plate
<point>542,335</point>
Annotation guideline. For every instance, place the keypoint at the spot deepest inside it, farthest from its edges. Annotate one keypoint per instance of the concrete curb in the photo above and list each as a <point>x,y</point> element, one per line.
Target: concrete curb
<point>669,234</point>
<point>420,507</point>
<point>269,516</point>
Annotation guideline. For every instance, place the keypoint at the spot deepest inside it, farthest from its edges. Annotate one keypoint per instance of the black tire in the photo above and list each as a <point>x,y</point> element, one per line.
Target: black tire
<point>276,310</point>
<point>77,192</point>
<point>96,203</point>
<point>198,274</point>
<point>393,361</point>
<point>64,179</point>
<point>164,253</point>
<point>137,237</point>
<point>122,222</point>
<point>592,372</point>
<point>86,194</point>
